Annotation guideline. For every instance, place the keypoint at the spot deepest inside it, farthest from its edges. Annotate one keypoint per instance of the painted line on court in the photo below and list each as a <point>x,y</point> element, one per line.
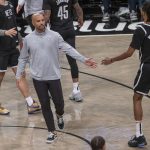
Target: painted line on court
<point>96,76</point>
<point>107,35</point>
<point>40,128</point>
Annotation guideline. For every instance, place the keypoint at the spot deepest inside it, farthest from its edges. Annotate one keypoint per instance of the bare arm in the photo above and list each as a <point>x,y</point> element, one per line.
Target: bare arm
<point>11,32</point>
<point>79,13</point>
<point>47,14</point>
<point>20,5</point>
<point>122,56</point>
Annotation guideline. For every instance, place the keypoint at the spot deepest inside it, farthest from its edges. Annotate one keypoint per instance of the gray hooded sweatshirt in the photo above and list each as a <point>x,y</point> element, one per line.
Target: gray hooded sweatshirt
<point>41,50</point>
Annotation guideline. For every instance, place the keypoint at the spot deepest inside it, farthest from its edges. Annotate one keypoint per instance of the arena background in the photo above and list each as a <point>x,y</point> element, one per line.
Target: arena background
<point>119,22</point>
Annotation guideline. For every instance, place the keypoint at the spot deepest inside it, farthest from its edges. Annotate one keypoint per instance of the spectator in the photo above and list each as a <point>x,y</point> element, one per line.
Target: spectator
<point>106,15</point>
<point>133,9</point>
<point>98,143</point>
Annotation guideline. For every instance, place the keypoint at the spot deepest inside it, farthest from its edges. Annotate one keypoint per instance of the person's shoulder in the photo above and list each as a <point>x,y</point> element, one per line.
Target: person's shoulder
<point>141,29</point>
<point>30,35</point>
<point>51,32</point>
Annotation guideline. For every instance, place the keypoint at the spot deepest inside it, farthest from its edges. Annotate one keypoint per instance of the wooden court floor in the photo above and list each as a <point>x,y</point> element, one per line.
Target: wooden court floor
<point>106,109</point>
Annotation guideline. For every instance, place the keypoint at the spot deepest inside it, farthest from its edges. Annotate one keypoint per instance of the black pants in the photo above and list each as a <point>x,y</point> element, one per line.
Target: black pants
<point>54,87</point>
<point>106,4</point>
<point>69,37</point>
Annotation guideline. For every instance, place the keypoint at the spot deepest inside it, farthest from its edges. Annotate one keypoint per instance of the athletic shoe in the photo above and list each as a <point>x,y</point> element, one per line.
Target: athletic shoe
<point>133,16</point>
<point>51,137</point>
<point>77,97</point>
<point>3,111</point>
<point>33,108</point>
<point>106,17</point>
<point>60,122</point>
<point>122,11</point>
<point>137,142</point>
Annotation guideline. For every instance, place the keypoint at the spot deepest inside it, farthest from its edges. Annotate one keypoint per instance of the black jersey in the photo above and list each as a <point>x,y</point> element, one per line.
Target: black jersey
<point>141,42</point>
<point>7,21</point>
<point>61,13</point>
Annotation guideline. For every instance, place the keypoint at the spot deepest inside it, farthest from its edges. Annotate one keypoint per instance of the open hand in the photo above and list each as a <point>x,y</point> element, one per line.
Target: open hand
<point>91,63</point>
<point>106,61</point>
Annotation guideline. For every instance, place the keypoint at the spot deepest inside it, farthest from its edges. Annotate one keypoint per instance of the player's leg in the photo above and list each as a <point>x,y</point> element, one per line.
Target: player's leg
<point>32,105</point>
<point>41,88</point>
<point>57,97</point>
<point>3,69</point>
<point>76,93</point>
<point>141,87</point>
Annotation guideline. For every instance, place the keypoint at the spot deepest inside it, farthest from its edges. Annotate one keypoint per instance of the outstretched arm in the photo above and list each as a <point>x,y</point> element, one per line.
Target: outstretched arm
<point>79,13</point>
<point>69,50</point>
<point>122,56</point>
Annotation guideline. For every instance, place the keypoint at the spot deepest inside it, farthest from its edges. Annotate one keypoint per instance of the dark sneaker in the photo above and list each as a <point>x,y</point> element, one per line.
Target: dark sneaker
<point>51,137</point>
<point>33,108</point>
<point>137,142</point>
<point>77,97</point>
<point>60,122</point>
<point>3,111</point>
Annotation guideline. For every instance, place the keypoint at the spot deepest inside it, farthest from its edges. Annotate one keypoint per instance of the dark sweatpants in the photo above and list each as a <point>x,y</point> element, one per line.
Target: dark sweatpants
<point>42,89</point>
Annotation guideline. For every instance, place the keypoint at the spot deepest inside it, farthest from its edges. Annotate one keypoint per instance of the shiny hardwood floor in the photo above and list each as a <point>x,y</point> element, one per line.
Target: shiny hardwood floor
<point>106,109</point>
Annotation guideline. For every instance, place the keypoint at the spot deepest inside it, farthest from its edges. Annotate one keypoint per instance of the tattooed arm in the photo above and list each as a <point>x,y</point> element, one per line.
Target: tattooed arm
<point>47,14</point>
<point>79,13</point>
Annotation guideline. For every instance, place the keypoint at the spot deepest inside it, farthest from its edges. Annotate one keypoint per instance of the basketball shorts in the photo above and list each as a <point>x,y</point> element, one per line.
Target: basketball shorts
<point>142,80</point>
<point>9,60</point>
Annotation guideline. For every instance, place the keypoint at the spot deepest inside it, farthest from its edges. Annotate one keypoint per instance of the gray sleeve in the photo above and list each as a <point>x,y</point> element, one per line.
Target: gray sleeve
<point>21,2</point>
<point>69,50</point>
<point>2,32</point>
<point>23,59</point>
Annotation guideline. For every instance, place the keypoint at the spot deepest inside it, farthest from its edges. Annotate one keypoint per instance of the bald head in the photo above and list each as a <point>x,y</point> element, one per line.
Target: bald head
<point>38,21</point>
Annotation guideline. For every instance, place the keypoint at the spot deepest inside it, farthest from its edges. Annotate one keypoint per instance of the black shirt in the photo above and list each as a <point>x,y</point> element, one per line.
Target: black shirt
<point>7,21</point>
<point>61,13</point>
<point>141,42</point>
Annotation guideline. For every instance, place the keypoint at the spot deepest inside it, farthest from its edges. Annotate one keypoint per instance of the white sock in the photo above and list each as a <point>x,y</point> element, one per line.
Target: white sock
<point>139,131</point>
<point>29,100</point>
<point>76,88</point>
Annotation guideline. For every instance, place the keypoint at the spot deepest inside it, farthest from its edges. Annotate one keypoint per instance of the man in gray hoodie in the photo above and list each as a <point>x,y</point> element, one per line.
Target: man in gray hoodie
<point>41,48</point>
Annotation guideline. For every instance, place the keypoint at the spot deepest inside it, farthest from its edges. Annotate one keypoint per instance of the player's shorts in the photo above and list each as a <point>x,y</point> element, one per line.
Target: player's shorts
<point>142,80</point>
<point>9,60</point>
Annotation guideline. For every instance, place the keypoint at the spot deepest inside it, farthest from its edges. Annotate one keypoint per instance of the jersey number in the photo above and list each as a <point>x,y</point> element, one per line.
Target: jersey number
<point>63,12</point>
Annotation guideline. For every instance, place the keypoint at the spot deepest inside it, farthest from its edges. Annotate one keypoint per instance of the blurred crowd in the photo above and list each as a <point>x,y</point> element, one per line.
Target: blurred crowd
<point>132,9</point>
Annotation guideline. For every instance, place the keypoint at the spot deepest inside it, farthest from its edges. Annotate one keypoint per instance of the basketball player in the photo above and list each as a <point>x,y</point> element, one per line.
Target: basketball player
<point>61,20</point>
<point>41,48</point>
<point>141,42</point>
<point>9,53</point>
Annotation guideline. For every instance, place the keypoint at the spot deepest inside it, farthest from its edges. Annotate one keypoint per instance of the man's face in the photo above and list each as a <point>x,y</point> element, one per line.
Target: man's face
<point>39,22</point>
